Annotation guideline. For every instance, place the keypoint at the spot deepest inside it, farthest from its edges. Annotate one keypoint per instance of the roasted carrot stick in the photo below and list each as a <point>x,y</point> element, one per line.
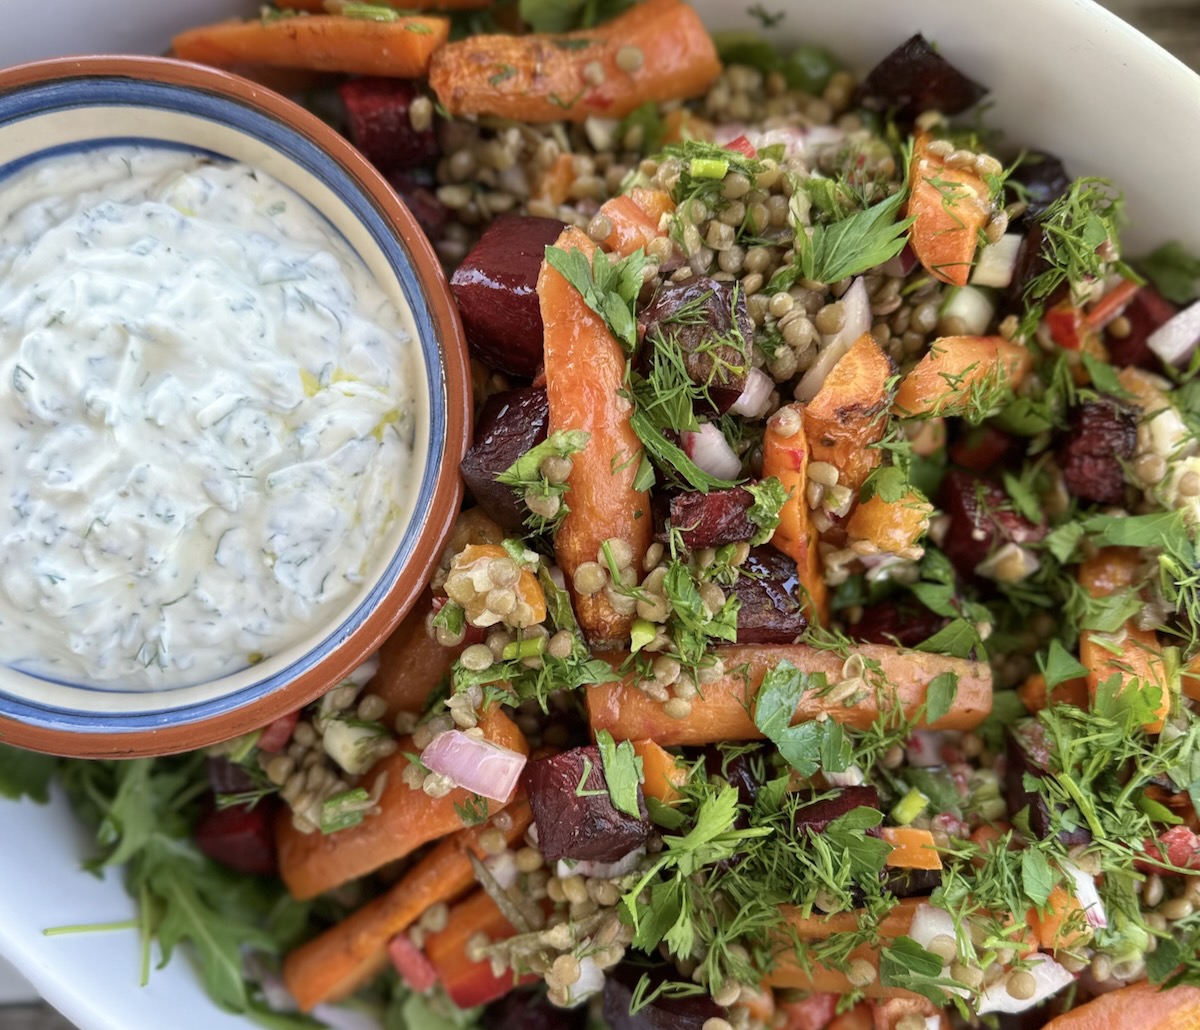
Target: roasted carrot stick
<point>667,54</point>
<point>958,368</point>
<point>951,206</point>
<point>787,972</point>
<point>786,453</point>
<point>1061,923</point>
<point>723,710</point>
<point>326,43</point>
<point>585,370</point>
<point>411,663</point>
<point>912,848</point>
<point>343,958</point>
<point>1034,695</point>
<point>846,416</point>
<point>661,772</point>
<point>1140,1006</point>
<point>310,863</point>
<point>632,228</point>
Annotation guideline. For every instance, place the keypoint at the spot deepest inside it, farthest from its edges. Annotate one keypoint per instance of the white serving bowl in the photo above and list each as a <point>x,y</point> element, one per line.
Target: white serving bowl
<point>1065,75</point>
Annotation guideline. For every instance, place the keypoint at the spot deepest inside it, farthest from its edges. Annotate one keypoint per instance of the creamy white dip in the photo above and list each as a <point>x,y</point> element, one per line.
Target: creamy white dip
<point>206,418</point>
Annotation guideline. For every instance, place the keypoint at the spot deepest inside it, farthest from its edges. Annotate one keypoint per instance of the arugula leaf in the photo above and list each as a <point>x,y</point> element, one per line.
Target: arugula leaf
<point>769,498</point>
<point>1059,665</point>
<point>775,706</point>
<point>1174,271</point>
<point>622,773</point>
<point>609,288</point>
<point>26,773</point>
<point>940,695</point>
<point>568,15</point>
<point>1037,878</point>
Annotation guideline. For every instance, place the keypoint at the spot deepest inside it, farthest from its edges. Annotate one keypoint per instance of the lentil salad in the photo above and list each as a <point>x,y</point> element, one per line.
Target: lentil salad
<point>1035,752</point>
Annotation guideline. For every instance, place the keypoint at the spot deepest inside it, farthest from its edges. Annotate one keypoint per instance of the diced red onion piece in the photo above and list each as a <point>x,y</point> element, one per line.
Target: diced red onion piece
<point>601,870</point>
<point>796,141</point>
<point>852,777</point>
<point>1176,339</point>
<point>1086,894</point>
<point>756,396</point>
<point>1049,976</point>
<point>591,981</point>
<point>924,748</point>
<point>479,766</point>
<point>973,307</point>
<point>998,261</point>
<point>711,452</point>
<point>857,307</point>
<point>929,922</point>
<point>901,264</point>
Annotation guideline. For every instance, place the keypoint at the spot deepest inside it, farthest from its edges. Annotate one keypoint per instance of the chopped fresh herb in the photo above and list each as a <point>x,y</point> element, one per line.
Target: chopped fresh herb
<point>609,288</point>
<point>802,745</point>
<point>503,73</point>
<point>526,478</point>
<point>670,457</point>
<point>25,773</point>
<point>1058,665</point>
<point>344,810</point>
<point>940,695</point>
<point>374,12</point>
<point>1036,876</point>
<point>769,499</point>
<point>622,773</point>
<point>452,618</point>
<point>568,15</point>
<point>1174,271</point>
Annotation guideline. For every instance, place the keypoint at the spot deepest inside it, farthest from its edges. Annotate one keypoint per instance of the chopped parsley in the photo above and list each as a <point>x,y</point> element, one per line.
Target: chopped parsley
<point>622,773</point>
<point>610,288</point>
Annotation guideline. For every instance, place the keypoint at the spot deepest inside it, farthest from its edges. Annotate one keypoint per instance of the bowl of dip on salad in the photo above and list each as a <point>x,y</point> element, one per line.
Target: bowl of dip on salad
<point>234,394</point>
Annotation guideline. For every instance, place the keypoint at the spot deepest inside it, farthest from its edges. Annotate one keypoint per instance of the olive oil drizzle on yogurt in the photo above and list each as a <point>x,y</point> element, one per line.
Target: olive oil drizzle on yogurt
<point>207,417</point>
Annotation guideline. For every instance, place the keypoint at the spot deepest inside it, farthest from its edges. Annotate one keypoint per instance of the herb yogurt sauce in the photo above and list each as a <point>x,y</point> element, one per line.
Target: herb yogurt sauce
<point>206,420</point>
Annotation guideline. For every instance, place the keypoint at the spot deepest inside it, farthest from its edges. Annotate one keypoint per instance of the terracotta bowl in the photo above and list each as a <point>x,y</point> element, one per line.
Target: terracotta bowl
<point>73,104</point>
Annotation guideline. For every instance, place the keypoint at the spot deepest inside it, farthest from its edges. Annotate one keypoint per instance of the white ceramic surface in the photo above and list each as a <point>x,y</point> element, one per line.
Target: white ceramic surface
<point>1065,75</point>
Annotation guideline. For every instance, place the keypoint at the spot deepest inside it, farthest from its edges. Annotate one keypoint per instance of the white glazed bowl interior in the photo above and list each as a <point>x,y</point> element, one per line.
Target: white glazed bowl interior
<point>1065,75</point>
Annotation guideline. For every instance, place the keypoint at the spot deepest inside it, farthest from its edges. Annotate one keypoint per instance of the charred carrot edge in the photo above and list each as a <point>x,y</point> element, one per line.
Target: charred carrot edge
<point>723,710</point>
<point>942,381</point>
<point>335,964</point>
<point>843,420</point>
<point>912,848</point>
<point>786,457</point>
<point>320,42</point>
<point>632,228</point>
<point>661,772</point>
<point>310,863</point>
<point>551,78</point>
<point>951,206</point>
<point>585,370</point>
<point>1140,1006</point>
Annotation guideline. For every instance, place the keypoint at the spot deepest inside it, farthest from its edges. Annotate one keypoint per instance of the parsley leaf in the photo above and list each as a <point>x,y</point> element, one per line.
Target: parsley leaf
<point>622,773</point>
<point>525,477</point>
<point>1174,271</point>
<point>609,288</point>
<point>904,963</point>
<point>25,773</point>
<point>1059,665</point>
<point>940,695</point>
<point>1037,878</point>
<point>670,456</point>
<point>769,498</point>
<point>568,15</point>
<point>804,745</point>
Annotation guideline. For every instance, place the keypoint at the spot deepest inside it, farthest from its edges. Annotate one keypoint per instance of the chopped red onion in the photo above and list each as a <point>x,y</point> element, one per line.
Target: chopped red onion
<point>479,766</point>
<point>924,748</point>
<point>796,141</point>
<point>503,868</point>
<point>1084,887</point>
<point>1176,339</point>
<point>414,967</point>
<point>852,777</point>
<point>929,922</point>
<point>601,870</point>
<point>857,307</point>
<point>998,262</point>
<point>756,397</point>
<point>1049,976</point>
<point>711,452</point>
<point>591,981</point>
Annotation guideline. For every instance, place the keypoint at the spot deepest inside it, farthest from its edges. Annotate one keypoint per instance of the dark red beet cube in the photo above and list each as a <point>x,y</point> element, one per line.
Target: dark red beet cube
<point>712,519</point>
<point>240,838</point>
<point>378,123</point>
<point>1045,180</point>
<point>915,78</point>
<point>663,1013</point>
<point>1101,436</point>
<point>981,520</point>
<point>430,213</point>
<point>530,1009</point>
<point>510,424</point>
<point>818,814</point>
<point>772,602</point>
<point>903,623</point>
<point>496,290</point>
<point>1148,310</point>
<point>983,449</point>
<point>1028,754</point>
<point>574,815</point>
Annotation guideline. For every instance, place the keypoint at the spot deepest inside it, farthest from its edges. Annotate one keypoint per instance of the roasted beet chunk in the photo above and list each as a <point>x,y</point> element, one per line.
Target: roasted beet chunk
<point>771,611</point>
<point>530,1009</point>
<point>911,883</point>
<point>511,423</point>
<point>1146,312</point>
<point>496,290</point>
<point>1101,436</point>
<point>983,448</point>
<point>240,838</point>
<point>663,1013</point>
<point>981,520</point>
<point>818,814</point>
<point>712,519</point>
<point>1044,180</point>
<point>1029,755</point>
<point>573,813</point>
<point>915,78</point>
<point>902,622</point>
<point>379,125</point>
<point>708,321</point>
<point>429,212</point>
<point>738,770</point>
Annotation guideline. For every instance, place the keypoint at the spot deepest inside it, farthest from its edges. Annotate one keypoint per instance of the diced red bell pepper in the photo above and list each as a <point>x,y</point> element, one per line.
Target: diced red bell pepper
<point>239,837</point>
<point>1068,328</point>
<point>275,735</point>
<point>743,146</point>
<point>411,963</point>
<point>1179,846</point>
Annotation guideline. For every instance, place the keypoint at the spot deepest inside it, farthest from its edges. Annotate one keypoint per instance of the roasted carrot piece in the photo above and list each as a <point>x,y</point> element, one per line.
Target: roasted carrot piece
<point>786,454</point>
<point>554,184</point>
<point>896,923</point>
<point>957,367</point>
<point>662,774</point>
<point>892,526</point>
<point>310,863</point>
<point>1034,695</point>
<point>1135,655</point>
<point>787,972</point>
<point>528,589</point>
<point>1061,924</point>
<point>552,78</point>
<point>654,203</point>
<point>1140,1006</point>
<point>404,5</point>
<point>585,370</point>
<point>411,663</point>
<point>343,958</point>
<point>951,206</point>
<point>1189,680</point>
<point>723,710</point>
<point>847,415</point>
<point>320,42</point>
<point>858,1018</point>
<point>912,848</point>
<point>815,1012</point>
<point>469,983</point>
<point>632,228</point>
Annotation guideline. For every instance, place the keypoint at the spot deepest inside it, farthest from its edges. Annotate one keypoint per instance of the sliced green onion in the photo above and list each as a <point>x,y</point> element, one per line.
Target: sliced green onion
<point>641,634</point>
<point>344,810</point>
<point>909,807</point>
<point>530,647</point>
<point>708,167</point>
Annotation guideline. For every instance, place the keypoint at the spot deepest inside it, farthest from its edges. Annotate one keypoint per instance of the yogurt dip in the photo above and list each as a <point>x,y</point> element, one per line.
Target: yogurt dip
<point>206,418</point>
